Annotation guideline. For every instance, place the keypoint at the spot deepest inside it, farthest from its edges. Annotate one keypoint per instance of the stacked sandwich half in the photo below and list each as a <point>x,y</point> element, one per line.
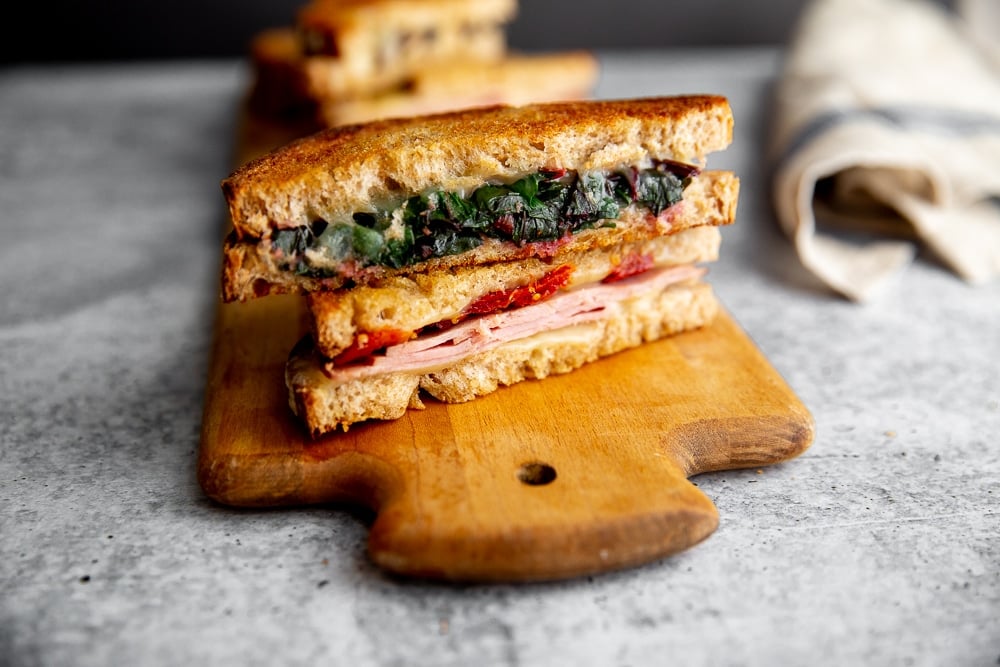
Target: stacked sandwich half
<point>348,61</point>
<point>448,255</point>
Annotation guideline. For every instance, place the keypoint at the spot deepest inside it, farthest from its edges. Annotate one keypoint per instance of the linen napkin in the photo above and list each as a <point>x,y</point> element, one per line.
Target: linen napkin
<point>887,135</point>
<point>982,19</point>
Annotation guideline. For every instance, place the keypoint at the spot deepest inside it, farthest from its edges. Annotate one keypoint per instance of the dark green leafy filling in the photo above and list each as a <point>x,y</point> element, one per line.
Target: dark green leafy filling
<point>544,206</point>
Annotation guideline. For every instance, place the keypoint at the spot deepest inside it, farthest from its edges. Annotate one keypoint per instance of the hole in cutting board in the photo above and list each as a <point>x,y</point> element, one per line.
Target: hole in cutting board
<point>536,474</point>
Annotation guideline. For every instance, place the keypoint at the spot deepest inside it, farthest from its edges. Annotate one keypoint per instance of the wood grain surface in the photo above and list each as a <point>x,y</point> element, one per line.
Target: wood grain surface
<point>576,474</point>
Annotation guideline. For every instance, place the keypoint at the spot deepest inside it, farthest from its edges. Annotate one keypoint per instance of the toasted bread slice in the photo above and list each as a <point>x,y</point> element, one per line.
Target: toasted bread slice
<point>337,172</point>
<point>281,90</point>
<point>398,307</point>
<point>325,404</point>
<point>361,47</point>
<point>250,269</point>
<point>514,80</point>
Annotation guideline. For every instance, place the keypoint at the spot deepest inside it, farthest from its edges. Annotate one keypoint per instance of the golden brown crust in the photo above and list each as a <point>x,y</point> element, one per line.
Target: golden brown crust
<point>336,172</point>
<point>325,406</point>
<point>710,199</point>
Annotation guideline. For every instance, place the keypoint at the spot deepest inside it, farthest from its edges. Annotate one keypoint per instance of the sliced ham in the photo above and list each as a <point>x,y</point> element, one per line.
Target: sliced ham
<point>577,306</point>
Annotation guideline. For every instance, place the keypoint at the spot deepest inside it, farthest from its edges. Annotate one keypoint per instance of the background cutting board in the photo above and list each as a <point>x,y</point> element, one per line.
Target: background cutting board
<point>576,474</point>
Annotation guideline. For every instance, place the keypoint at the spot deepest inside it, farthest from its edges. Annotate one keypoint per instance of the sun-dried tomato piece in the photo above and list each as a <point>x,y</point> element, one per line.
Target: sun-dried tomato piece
<point>631,265</point>
<point>367,343</point>
<point>525,295</point>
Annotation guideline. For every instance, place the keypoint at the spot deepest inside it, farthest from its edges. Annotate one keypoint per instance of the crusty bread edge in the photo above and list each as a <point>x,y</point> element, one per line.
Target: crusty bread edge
<point>324,406</point>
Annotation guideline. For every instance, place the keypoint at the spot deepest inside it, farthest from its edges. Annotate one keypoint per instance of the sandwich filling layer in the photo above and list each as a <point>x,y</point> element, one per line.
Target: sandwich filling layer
<point>436,349</point>
<point>349,324</point>
<point>475,361</point>
<point>544,206</point>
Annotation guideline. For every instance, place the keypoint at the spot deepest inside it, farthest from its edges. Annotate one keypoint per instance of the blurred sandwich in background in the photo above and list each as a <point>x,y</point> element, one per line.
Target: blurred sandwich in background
<point>351,61</point>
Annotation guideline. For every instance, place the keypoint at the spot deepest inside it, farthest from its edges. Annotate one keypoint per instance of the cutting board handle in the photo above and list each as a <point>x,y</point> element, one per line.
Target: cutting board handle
<point>525,510</point>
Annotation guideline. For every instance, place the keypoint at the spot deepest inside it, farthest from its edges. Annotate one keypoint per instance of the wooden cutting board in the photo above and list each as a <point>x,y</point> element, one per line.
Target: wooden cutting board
<point>575,474</point>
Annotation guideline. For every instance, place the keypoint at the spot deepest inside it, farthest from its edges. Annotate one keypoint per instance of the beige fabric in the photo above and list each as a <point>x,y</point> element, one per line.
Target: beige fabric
<point>887,119</point>
<point>982,20</point>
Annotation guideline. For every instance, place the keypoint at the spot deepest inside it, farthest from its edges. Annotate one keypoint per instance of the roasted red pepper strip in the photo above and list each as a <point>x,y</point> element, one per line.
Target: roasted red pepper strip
<point>631,265</point>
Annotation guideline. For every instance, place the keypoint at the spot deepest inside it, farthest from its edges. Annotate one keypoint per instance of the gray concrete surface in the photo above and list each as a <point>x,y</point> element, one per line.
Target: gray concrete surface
<point>879,546</point>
